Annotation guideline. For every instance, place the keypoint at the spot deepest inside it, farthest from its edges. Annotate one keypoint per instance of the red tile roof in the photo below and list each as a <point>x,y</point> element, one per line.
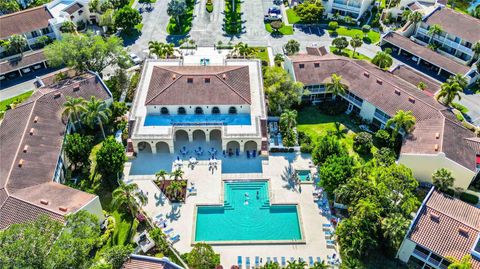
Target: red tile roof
<point>24,21</point>
<point>187,85</point>
<point>32,134</point>
<point>73,8</point>
<point>147,262</point>
<point>27,59</point>
<point>462,25</point>
<point>447,226</point>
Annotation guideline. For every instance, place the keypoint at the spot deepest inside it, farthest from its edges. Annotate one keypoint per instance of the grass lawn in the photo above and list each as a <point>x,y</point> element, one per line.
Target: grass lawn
<point>285,30</point>
<point>185,21</point>
<point>139,27</point>
<point>349,53</point>
<point>316,124</point>
<point>371,38</point>
<point>19,98</point>
<point>262,54</point>
<point>292,16</point>
<point>233,20</point>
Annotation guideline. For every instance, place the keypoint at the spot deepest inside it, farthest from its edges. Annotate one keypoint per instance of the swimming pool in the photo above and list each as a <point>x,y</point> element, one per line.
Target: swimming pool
<point>304,175</point>
<point>246,216</point>
<point>220,119</point>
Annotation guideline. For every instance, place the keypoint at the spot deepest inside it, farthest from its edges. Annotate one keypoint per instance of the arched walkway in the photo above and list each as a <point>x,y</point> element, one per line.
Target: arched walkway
<point>199,135</point>
<point>164,111</point>
<point>250,145</point>
<point>144,147</point>
<point>215,135</point>
<point>162,147</point>
<point>181,135</point>
<point>233,146</point>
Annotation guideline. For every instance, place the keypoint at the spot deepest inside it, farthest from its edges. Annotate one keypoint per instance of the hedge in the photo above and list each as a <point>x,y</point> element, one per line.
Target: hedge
<point>469,198</point>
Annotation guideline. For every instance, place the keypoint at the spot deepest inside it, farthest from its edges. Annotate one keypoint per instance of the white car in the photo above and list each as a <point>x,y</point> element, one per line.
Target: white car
<point>135,59</point>
<point>272,17</point>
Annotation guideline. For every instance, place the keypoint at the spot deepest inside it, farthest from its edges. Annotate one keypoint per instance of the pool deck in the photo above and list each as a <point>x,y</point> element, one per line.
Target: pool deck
<point>210,191</point>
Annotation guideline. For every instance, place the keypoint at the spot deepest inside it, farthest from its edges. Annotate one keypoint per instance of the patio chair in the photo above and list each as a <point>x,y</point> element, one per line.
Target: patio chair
<point>284,262</point>
<point>310,261</point>
<point>248,154</point>
<point>275,260</point>
<point>239,261</point>
<point>254,153</point>
<point>174,239</point>
<point>319,260</point>
<point>292,259</point>
<point>268,259</point>
<point>247,262</point>
<point>257,262</point>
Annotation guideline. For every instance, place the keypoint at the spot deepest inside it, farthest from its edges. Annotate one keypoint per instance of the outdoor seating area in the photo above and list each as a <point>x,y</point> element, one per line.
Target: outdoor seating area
<point>162,223</point>
<point>257,261</point>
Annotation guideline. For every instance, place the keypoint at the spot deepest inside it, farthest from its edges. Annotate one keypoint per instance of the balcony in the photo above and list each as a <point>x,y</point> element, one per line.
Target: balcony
<point>353,100</point>
<point>420,255</point>
<point>346,7</point>
<point>447,42</point>
<point>381,117</point>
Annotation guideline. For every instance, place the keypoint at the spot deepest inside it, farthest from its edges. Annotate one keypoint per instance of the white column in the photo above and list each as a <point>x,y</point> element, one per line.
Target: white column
<point>154,147</point>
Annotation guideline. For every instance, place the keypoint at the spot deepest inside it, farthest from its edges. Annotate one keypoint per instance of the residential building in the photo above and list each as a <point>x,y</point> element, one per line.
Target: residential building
<point>353,8</point>
<point>453,53</point>
<point>205,98</point>
<point>141,262</point>
<point>438,140</point>
<point>33,164</point>
<point>444,227</point>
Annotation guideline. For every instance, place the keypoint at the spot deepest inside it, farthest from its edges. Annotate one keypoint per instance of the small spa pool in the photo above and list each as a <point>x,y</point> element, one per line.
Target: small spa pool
<point>247,215</point>
<point>304,175</point>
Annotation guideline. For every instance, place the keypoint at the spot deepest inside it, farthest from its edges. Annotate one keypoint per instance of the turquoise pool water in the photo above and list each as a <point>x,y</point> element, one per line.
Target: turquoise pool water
<point>304,175</point>
<point>225,119</point>
<point>256,220</point>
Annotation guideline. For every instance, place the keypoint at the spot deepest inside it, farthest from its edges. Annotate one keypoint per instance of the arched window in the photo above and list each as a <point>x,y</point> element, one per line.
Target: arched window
<point>215,110</point>
<point>198,110</point>
<point>232,110</point>
<point>181,111</point>
<point>164,111</point>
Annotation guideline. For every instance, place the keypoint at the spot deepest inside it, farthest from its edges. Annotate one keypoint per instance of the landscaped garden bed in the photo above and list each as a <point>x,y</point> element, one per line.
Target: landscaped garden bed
<point>174,190</point>
<point>183,24</point>
<point>349,53</point>
<point>233,18</point>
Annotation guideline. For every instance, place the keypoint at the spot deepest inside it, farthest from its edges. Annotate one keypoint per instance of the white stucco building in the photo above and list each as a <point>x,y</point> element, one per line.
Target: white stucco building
<point>353,8</point>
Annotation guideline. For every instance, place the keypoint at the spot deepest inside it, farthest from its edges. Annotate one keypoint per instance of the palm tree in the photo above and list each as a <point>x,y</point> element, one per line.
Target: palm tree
<point>335,86</point>
<point>403,120</point>
<point>476,51</point>
<point>176,9</point>
<point>174,189</point>
<point>406,14</point>
<point>16,44</point>
<point>288,121</point>
<point>72,109</point>
<point>356,42</point>
<point>161,174</point>
<point>464,263</point>
<point>96,112</point>
<point>394,227</point>
<point>129,196</point>
<point>415,17</point>
<point>177,174</point>
<point>319,265</point>
<point>242,49</point>
<point>449,91</point>
<point>295,265</point>
<point>382,59</point>
<point>442,179</point>
<point>434,30</point>
<point>68,27</point>
<point>271,265</point>
<point>460,79</point>
<point>366,209</point>
<point>161,50</point>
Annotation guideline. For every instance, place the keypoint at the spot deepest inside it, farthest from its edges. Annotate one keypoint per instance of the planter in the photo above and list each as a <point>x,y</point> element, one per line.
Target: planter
<point>163,186</point>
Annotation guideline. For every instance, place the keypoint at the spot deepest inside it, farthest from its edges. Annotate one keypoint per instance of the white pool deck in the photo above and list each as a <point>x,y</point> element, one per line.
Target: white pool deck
<point>209,190</point>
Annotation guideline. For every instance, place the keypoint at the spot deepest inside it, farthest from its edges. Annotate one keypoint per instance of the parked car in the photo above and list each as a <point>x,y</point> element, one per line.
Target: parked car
<point>277,2</point>
<point>274,10</point>
<point>135,59</point>
<point>272,17</point>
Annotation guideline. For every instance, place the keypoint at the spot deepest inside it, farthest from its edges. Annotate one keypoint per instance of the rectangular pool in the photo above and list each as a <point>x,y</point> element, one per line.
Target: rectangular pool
<point>220,119</point>
<point>247,215</point>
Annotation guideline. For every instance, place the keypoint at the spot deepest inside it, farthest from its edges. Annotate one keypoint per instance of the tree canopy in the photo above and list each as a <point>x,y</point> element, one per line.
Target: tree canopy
<point>202,256</point>
<point>77,148</point>
<point>310,11</point>
<point>111,158</point>
<point>282,92</point>
<point>127,18</point>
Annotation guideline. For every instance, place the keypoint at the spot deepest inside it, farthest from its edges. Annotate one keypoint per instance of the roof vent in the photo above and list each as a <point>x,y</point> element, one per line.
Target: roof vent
<point>434,216</point>
<point>63,208</point>
<point>76,88</point>
<point>35,119</point>
<point>437,135</point>
<point>436,147</point>
<point>301,66</point>
<point>57,95</point>
<point>31,131</point>
<point>316,65</point>
<point>189,80</point>
<point>174,76</point>
<point>366,74</point>
<point>25,148</point>
<point>411,99</point>
<point>44,202</point>
<point>379,81</point>
<point>463,231</point>
<point>207,80</point>
<point>20,163</point>
<point>397,92</point>
<point>224,76</point>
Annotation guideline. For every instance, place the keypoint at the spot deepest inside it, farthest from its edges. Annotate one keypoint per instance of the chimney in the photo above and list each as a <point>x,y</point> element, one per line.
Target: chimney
<point>436,147</point>
<point>63,208</point>
<point>44,202</point>
<point>31,131</point>
<point>224,76</point>
<point>463,231</point>
<point>57,95</point>
<point>434,216</point>
<point>379,81</point>
<point>397,92</point>
<point>20,163</point>
<point>76,88</point>
<point>366,74</point>
<point>25,148</point>
<point>437,135</point>
<point>411,99</point>
<point>35,119</point>
<point>174,76</point>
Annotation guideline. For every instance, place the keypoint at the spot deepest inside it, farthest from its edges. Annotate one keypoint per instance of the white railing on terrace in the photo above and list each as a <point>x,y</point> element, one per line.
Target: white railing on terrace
<point>444,40</point>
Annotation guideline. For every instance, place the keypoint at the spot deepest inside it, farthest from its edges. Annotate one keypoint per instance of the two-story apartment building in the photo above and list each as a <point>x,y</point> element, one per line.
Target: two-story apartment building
<point>353,8</point>
<point>438,141</point>
<point>33,164</point>
<point>444,228</point>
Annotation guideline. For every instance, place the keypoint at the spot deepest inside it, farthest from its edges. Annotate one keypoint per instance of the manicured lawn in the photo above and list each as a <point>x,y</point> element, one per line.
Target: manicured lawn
<point>285,30</point>
<point>349,53</point>
<point>262,54</point>
<point>371,38</point>
<point>19,98</point>
<point>233,20</point>
<point>292,16</point>
<point>185,21</point>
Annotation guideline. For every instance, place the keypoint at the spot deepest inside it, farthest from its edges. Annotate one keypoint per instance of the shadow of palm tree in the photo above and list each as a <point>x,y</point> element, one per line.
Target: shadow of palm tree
<point>174,214</point>
<point>160,199</point>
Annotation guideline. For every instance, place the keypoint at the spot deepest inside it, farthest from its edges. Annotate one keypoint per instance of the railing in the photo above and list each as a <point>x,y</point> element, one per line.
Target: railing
<point>256,134</point>
<point>208,123</point>
<point>420,254</point>
<point>444,40</point>
<point>433,261</point>
<point>353,100</point>
<point>381,117</point>
<point>345,7</point>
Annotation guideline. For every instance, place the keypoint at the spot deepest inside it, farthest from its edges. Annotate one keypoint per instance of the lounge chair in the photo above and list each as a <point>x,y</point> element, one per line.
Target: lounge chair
<point>284,262</point>
<point>268,259</point>
<point>248,154</point>
<point>326,225</point>
<point>247,262</point>
<point>275,260</point>
<point>239,261</point>
<point>254,153</point>
<point>331,242</point>
<point>319,260</point>
<point>310,261</point>
<point>174,239</point>
<point>168,231</point>
<point>257,262</point>
<point>292,259</point>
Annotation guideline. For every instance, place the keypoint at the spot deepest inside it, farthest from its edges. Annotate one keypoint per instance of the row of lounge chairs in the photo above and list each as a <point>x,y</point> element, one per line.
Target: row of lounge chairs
<point>161,223</point>
<point>282,261</point>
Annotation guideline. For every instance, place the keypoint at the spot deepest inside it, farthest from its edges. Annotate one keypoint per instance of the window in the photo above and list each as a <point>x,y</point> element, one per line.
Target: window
<point>46,31</point>
<point>301,66</point>
<point>207,80</point>
<point>215,110</point>
<point>232,110</point>
<point>164,111</point>
<point>181,111</point>
<point>198,110</point>
<point>189,80</point>
<point>34,33</point>
<point>316,65</point>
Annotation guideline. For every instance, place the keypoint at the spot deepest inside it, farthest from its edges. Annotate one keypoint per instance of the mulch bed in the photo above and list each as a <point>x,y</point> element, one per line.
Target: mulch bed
<point>163,187</point>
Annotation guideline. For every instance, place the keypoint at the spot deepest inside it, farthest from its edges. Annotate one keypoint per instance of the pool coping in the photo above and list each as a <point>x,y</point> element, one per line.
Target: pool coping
<point>248,242</point>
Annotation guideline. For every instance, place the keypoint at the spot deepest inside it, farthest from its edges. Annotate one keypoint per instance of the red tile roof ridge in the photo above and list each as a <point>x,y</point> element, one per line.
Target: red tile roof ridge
<point>164,88</point>
<point>231,88</point>
<point>33,204</point>
<point>443,212</point>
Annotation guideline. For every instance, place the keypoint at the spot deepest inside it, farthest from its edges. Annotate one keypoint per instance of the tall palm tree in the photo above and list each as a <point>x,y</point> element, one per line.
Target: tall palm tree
<point>464,263</point>
<point>449,91</point>
<point>460,79</point>
<point>403,120</point>
<point>129,196</point>
<point>161,174</point>
<point>434,30</point>
<point>476,51</point>
<point>243,50</point>
<point>415,17</point>
<point>394,227</point>
<point>17,43</point>
<point>356,42</point>
<point>177,174</point>
<point>335,86</point>
<point>72,108</point>
<point>96,112</point>
<point>319,265</point>
<point>288,121</point>
<point>382,59</point>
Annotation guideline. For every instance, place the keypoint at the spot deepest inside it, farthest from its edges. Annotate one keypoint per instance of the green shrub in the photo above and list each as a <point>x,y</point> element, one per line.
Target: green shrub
<point>382,138</point>
<point>469,198</point>
<point>333,107</point>
<point>333,25</point>
<point>363,142</point>
<point>460,108</point>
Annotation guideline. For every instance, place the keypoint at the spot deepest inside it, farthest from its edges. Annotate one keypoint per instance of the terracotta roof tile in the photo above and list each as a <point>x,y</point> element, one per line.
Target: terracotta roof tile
<point>462,25</point>
<point>24,21</point>
<point>187,85</point>
<point>21,62</point>
<point>73,8</point>
<point>414,77</point>
<point>143,262</point>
